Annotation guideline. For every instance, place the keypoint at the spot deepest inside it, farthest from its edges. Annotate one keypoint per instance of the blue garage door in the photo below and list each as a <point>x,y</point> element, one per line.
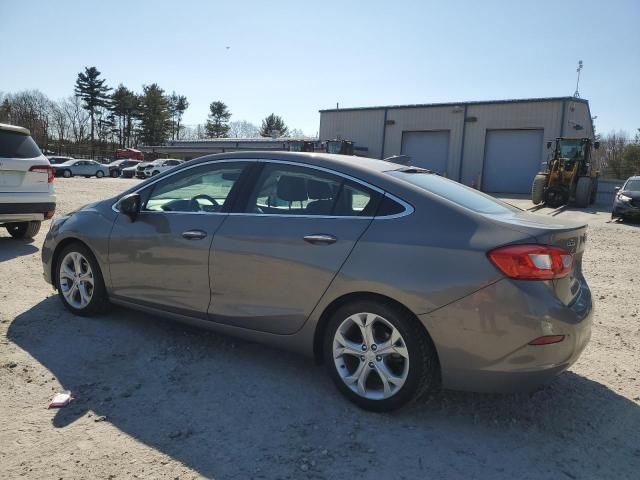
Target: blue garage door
<point>511,160</point>
<point>427,149</point>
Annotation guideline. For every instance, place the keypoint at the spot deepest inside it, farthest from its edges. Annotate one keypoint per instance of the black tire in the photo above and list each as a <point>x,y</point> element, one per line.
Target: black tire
<point>67,174</point>
<point>99,174</point>
<point>424,368</point>
<point>114,173</point>
<point>583,191</point>
<point>537,189</point>
<point>99,301</point>
<point>20,230</point>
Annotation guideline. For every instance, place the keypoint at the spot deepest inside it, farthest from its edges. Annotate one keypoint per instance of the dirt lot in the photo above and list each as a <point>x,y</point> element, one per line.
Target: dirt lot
<point>155,399</point>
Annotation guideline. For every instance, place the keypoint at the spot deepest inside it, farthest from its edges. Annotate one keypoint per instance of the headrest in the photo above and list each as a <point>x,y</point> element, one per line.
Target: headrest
<point>319,190</point>
<point>292,189</point>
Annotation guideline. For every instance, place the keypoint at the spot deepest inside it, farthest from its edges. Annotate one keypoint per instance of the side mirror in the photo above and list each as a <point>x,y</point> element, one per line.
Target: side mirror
<point>596,145</point>
<point>130,206</point>
<point>548,145</point>
<point>617,189</point>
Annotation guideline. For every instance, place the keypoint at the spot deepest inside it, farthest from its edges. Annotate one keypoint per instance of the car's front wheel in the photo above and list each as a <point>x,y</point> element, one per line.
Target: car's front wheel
<point>22,230</point>
<point>114,173</point>
<point>378,356</point>
<point>79,281</point>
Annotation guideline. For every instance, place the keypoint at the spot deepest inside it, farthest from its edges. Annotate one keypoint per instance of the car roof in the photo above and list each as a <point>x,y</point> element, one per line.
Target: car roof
<point>633,177</point>
<point>14,128</point>
<point>325,160</point>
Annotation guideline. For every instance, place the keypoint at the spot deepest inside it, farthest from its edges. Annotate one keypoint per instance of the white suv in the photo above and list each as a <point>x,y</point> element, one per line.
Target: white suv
<point>26,183</point>
<point>161,165</point>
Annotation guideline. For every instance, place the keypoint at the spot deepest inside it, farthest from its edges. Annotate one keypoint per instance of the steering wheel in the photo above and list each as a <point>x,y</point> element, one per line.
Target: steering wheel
<point>215,205</point>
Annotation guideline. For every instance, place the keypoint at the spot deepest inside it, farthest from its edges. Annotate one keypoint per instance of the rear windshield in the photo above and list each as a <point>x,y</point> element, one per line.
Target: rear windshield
<point>456,192</point>
<point>17,145</point>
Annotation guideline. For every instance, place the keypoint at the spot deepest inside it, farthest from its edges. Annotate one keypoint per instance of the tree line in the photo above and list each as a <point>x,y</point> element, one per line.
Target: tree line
<point>96,119</point>
<point>618,155</point>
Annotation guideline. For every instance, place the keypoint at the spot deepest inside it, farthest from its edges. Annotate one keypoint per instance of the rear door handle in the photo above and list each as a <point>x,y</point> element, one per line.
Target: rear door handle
<point>320,239</point>
<point>194,234</point>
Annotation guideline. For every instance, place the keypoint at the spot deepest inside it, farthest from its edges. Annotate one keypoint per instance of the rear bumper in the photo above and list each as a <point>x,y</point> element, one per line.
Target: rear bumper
<point>26,211</point>
<point>483,339</point>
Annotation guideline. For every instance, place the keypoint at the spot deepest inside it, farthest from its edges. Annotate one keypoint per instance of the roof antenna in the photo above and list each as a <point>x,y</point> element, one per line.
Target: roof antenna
<point>576,93</point>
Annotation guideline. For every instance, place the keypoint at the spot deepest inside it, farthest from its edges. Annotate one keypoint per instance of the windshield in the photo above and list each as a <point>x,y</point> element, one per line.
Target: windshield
<point>456,192</point>
<point>571,149</point>
<point>632,185</point>
<point>17,145</point>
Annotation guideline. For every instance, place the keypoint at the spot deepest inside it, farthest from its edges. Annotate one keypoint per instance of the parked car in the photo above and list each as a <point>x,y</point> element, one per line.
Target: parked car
<point>116,167</point>
<point>400,280</point>
<point>86,168</point>
<point>58,160</point>
<point>129,172</point>
<point>626,203</point>
<point>26,183</point>
<point>140,169</point>
<point>159,166</point>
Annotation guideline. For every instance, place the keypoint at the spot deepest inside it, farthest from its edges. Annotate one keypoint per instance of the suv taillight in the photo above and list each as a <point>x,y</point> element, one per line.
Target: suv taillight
<point>48,168</point>
<point>532,262</point>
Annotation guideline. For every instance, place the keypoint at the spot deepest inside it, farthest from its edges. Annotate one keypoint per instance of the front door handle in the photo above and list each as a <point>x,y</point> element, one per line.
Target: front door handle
<point>194,234</point>
<point>320,239</point>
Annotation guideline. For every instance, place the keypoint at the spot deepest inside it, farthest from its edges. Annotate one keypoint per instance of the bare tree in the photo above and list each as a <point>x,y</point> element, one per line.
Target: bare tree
<point>610,154</point>
<point>243,129</point>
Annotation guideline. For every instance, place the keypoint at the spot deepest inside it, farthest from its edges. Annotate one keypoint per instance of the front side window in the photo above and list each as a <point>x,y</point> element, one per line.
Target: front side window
<point>201,189</point>
<point>295,190</point>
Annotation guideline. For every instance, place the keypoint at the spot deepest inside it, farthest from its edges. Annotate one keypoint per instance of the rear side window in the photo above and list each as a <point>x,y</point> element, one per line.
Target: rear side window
<point>456,192</point>
<point>296,190</point>
<point>17,145</point>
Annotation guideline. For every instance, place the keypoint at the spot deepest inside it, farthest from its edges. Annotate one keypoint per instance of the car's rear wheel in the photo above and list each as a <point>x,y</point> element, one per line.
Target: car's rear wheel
<point>378,356</point>
<point>99,174</point>
<point>67,174</point>
<point>79,281</point>
<point>22,230</point>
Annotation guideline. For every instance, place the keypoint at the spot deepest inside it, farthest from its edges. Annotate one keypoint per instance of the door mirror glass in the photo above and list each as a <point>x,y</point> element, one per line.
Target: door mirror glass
<point>130,205</point>
<point>617,189</point>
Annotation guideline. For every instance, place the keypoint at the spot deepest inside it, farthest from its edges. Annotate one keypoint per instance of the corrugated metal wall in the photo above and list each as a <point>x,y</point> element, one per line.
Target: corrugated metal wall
<point>367,128</point>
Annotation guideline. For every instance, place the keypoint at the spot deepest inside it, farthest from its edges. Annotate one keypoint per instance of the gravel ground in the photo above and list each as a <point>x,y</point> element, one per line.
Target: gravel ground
<point>156,399</point>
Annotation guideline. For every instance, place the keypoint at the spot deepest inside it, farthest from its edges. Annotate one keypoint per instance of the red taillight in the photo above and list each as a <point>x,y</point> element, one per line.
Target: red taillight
<point>547,340</point>
<point>532,262</point>
<point>48,168</point>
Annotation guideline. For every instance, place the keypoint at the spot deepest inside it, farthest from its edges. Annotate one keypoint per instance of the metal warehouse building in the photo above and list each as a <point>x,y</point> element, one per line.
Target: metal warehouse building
<point>497,146</point>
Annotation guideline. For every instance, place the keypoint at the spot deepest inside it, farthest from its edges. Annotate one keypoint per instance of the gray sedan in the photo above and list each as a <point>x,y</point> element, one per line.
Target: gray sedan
<point>400,281</point>
<point>85,168</point>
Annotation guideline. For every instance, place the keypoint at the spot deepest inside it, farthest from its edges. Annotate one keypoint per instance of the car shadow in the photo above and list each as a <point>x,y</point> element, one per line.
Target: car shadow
<point>11,248</point>
<point>225,407</point>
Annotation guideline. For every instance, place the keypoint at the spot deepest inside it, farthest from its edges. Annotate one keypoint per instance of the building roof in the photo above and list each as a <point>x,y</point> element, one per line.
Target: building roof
<point>460,104</point>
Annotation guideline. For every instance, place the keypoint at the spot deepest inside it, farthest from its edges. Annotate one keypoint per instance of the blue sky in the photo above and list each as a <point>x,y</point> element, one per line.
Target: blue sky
<point>293,58</point>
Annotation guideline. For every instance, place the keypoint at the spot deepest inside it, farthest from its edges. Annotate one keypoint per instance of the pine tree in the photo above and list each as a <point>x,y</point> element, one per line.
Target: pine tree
<point>154,115</point>
<point>273,125</point>
<point>94,94</point>
<point>218,122</point>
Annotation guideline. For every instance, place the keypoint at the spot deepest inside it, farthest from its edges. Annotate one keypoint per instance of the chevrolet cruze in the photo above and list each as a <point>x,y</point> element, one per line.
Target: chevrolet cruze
<point>399,280</point>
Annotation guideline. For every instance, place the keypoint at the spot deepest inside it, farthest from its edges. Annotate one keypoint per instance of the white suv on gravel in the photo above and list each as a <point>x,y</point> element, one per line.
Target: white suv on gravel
<point>26,183</point>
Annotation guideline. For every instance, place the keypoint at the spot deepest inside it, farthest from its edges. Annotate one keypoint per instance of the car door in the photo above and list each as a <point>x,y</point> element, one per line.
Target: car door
<point>162,258</point>
<point>272,261</point>
<point>79,168</point>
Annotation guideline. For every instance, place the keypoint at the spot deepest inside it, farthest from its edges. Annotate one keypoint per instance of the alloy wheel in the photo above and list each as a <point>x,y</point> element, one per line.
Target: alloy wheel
<point>76,280</point>
<point>370,356</point>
